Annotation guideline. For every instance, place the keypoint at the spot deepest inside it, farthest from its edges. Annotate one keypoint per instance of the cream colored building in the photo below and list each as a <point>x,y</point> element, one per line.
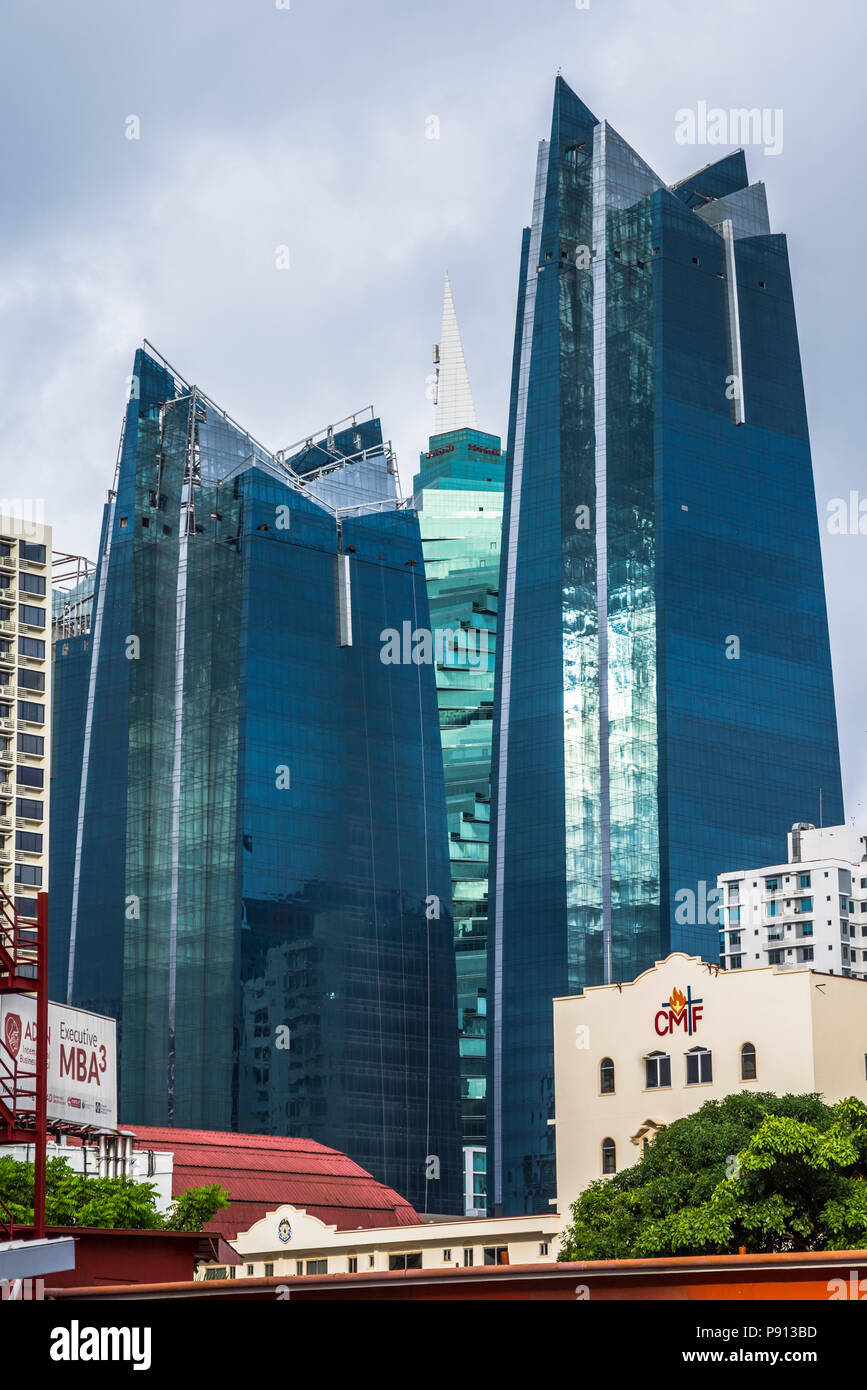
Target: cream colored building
<point>25,708</point>
<point>631,1058</point>
<point>291,1241</point>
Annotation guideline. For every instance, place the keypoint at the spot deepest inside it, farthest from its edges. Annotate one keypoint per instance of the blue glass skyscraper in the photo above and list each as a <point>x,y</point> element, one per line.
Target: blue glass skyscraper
<point>664,700</point>
<point>458,493</point>
<point>255,878</point>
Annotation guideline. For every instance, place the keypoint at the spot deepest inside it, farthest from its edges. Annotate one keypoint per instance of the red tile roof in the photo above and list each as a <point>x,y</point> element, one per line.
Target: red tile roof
<point>262,1172</point>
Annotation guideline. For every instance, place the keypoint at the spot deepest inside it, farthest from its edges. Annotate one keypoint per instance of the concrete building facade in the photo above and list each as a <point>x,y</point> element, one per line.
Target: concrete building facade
<point>631,1057</point>
<point>25,709</point>
<point>290,1242</point>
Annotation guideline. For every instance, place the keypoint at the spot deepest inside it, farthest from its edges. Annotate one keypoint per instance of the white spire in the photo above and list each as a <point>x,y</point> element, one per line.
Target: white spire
<point>455,409</point>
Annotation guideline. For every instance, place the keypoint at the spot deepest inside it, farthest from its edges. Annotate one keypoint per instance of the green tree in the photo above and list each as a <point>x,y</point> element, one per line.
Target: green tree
<point>769,1173</point>
<point>193,1209</point>
<point>74,1200</point>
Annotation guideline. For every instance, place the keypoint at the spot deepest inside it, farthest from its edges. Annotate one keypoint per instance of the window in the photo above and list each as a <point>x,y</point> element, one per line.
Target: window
<point>734,916</point>
<point>410,1261</point>
<point>736,962</point>
<point>468,1258</point>
<point>496,1255</point>
<point>806,881</point>
<point>29,710</point>
<point>317,1266</point>
<point>543,1247</point>
<point>32,583</point>
<point>31,646</point>
<point>371,1261</point>
<point>657,1070</point>
<point>480,1179</point>
<point>216,1272</point>
<point>699,1067</point>
<point>269,1270</point>
<point>353,1264</point>
<point>30,680</point>
<point>27,551</point>
<point>734,939</point>
<point>29,841</point>
<point>299,1266</point>
<point>748,1062</point>
<point>29,776</point>
<point>29,873</point>
<point>31,743</point>
<point>771,885</point>
<point>249,1269</point>
<point>609,1156</point>
<point>26,907</point>
<point>606,1077</point>
<point>27,809</point>
<point>29,613</point>
<point>806,953</point>
<point>447,1257</point>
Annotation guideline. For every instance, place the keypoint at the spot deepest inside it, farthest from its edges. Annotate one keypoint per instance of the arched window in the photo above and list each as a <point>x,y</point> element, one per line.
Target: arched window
<point>609,1156</point>
<point>749,1070</point>
<point>699,1067</point>
<point>606,1077</point>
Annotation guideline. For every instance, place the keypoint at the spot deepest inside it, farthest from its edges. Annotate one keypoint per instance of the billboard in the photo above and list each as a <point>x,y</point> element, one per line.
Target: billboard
<point>82,1059</point>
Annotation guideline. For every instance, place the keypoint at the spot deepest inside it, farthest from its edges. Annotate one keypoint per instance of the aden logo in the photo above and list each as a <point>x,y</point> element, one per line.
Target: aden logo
<point>679,1011</point>
<point>12,1032</point>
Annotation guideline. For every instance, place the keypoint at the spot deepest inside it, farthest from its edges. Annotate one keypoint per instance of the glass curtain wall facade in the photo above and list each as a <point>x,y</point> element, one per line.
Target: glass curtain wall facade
<point>664,694</point>
<point>257,884</point>
<point>458,494</point>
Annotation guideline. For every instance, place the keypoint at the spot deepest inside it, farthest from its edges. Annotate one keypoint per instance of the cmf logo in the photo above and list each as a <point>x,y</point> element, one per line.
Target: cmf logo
<point>679,1011</point>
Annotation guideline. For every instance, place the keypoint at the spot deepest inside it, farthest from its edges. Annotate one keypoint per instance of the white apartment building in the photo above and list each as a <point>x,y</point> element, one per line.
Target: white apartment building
<point>25,708</point>
<point>811,910</point>
<point>630,1058</point>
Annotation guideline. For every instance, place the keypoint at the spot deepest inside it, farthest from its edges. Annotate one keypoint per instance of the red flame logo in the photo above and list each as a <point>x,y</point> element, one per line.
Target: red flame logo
<point>677,1002</point>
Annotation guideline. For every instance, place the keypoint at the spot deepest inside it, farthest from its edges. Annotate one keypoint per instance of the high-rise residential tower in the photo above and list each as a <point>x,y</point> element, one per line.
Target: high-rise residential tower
<point>458,494</point>
<point>257,882</point>
<point>665,703</point>
<point>25,707</point>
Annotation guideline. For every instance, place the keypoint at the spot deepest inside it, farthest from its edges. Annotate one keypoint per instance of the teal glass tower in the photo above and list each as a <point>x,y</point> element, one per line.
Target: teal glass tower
<point>255,879</point>
<point>664,695</point>
<point>458,494</point>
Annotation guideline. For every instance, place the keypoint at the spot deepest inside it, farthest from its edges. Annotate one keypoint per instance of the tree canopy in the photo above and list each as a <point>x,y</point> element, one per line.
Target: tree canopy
<point>763,1172</point>
<point>74,1200</point>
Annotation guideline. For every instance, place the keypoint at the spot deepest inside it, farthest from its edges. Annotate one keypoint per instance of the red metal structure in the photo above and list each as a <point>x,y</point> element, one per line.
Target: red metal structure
<point>24,1092</point>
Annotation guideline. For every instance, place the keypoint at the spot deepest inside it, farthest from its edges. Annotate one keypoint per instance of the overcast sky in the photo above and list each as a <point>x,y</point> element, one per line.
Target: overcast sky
<point>307,127</point>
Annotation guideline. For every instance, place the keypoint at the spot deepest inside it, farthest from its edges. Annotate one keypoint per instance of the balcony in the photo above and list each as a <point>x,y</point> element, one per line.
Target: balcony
<point>7,626</point>
<point>8,562</point>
